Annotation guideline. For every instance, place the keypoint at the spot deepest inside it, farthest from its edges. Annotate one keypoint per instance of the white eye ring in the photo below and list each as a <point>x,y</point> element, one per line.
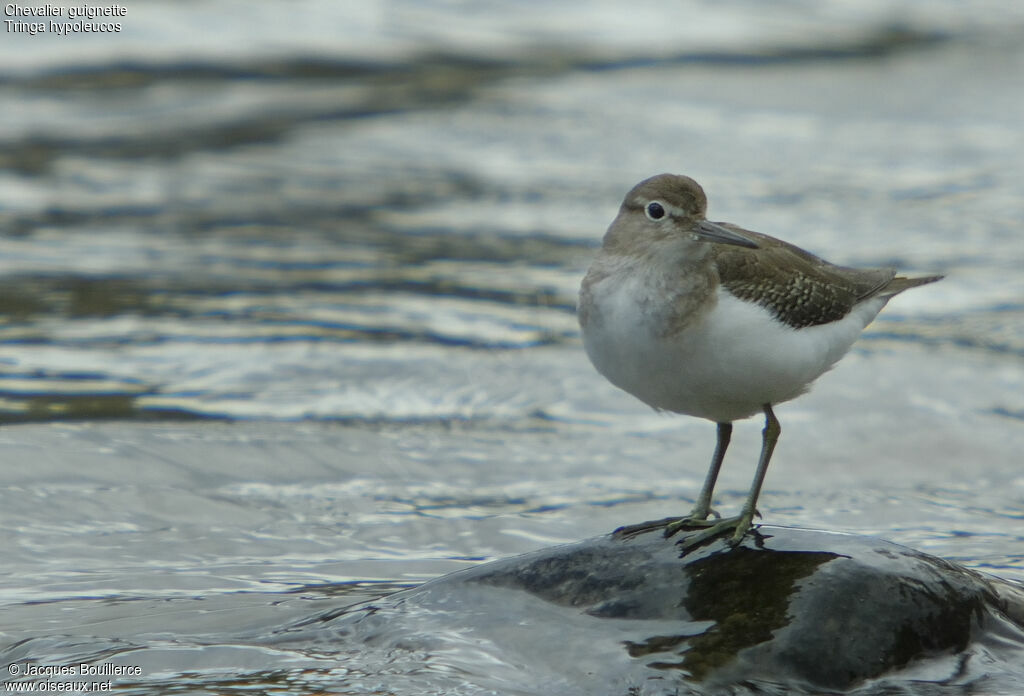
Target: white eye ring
<point>655,211</point>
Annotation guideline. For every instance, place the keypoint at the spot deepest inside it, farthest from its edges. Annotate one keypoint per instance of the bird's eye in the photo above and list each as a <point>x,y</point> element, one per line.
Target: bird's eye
<point>655,210</point>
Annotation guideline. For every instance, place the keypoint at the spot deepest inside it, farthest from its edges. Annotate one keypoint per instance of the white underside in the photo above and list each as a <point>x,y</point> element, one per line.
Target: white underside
<point>731,362</point>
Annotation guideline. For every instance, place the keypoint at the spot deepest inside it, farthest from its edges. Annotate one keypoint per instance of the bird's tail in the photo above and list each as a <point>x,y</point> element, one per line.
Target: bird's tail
<point>901,283</point>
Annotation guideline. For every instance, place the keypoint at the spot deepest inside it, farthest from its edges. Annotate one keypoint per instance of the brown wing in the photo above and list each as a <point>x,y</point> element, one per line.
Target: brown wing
<point>799,288</point>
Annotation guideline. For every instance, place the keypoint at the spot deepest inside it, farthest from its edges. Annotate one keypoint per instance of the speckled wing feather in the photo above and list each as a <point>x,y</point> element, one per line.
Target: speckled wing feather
<point>799,288</point>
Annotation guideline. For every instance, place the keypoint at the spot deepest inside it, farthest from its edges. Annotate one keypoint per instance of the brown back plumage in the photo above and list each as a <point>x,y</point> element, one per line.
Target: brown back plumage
<point>799,288</point>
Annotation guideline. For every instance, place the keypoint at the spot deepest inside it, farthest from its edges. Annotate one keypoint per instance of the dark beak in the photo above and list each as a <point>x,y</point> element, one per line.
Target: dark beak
<point>714,232</point>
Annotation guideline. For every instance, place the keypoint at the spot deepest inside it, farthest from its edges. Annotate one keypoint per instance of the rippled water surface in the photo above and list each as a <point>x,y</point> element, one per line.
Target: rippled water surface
<point>287,304</point>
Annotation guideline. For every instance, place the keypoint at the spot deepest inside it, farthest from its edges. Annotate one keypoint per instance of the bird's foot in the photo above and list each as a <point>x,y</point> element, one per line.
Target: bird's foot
<point>691,521</point>
<point>671,525</point>
<point>739,526</point>
<point>710,528</point>
<point>634,529</point>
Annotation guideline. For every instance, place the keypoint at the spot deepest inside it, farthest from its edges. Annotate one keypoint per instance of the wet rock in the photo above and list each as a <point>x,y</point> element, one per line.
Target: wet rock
<point>789,609</point>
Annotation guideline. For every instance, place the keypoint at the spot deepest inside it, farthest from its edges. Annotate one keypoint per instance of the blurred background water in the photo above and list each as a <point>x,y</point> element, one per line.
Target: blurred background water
<point>287,301</point>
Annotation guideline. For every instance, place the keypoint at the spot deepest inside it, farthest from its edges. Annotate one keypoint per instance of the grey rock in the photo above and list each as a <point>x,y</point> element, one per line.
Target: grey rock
<point>787,611</point>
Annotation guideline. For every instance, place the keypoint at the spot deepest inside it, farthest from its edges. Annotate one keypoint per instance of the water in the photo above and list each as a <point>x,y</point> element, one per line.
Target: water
<point>287,301</point>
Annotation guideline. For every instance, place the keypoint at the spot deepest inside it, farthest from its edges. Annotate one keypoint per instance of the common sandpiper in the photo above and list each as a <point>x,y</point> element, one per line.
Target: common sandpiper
<point>712,320</point>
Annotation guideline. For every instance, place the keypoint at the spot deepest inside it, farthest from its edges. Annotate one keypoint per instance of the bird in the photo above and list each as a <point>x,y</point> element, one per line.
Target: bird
<point>712,320</point>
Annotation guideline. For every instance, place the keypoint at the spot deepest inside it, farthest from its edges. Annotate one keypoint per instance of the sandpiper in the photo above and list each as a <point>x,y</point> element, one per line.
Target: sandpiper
<point>715,321</point>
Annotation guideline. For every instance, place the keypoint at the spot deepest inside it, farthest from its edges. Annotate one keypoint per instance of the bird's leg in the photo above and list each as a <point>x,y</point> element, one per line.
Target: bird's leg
<point>740,524</point>
<point>769,437</point>
<point>698,517</point>
<point>703,507</point>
